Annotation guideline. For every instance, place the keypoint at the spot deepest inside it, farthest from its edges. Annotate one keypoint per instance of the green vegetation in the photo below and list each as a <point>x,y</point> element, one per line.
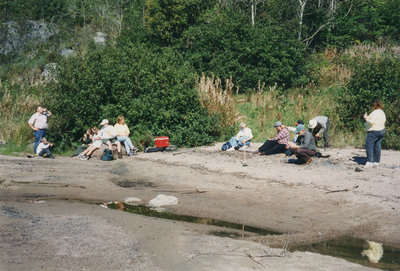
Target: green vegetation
<point>193,69</point>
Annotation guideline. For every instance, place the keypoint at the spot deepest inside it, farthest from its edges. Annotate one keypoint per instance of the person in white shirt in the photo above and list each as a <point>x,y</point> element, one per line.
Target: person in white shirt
<point>96,144</point>
<point>44,148</point>
<point>38,123</point>
<point>243,138</point>
<point>375,123</point>
<point>109,136</point>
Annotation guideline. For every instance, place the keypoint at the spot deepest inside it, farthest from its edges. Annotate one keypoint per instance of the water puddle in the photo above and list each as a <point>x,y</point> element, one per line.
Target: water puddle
<point>143,210</point>
<point>351,249</point>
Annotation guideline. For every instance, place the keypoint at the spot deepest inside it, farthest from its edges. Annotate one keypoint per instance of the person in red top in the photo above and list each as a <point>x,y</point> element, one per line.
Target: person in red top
<point>276,144</point>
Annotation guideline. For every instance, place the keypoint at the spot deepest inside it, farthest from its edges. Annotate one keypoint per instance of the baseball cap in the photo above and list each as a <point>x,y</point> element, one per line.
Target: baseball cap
<point>299,122</point>
<point>277,124</point>
<point>299,128</point>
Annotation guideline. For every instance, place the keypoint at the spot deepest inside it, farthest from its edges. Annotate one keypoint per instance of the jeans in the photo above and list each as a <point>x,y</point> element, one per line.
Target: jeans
<point>127,142</point>
<point>45,151</point>
<point>271,147</point>
<point>38,135</point>
<point>238,143</point>
<point>373,145</point>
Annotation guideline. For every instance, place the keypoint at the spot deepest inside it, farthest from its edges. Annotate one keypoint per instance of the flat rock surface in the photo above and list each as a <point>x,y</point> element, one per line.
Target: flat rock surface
<point>50,218</point>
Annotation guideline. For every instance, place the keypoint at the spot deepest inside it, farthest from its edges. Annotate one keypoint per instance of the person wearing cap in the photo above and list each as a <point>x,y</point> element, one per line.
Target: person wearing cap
<point>319,126</point>
<point>243,137</point>
<point>108,135</point>
<point>305,146</point>
<point>38,123</point>
<point>278,143</point>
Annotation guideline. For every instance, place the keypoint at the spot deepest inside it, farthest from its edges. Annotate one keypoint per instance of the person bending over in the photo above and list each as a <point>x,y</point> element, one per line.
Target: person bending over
<point>278,143</point>
<point>319,127</point>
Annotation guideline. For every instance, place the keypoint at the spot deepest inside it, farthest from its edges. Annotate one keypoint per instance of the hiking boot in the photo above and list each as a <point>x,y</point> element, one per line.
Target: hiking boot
<point>50,156</point>
<point>308,161</point>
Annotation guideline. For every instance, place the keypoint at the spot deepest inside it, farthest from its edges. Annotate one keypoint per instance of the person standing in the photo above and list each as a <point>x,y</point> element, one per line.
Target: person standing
<point>305,146</point>
<point>38,123</point>
<point>319,127</point>
<point>278,143</point>
<point>375,123</point>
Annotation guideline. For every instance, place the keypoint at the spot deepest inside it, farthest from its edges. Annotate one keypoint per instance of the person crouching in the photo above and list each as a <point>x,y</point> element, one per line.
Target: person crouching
<point>44,148</point>
<point>304,148</point>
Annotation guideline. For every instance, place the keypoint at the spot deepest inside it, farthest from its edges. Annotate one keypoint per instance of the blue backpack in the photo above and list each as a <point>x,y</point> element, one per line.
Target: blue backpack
<point>107,155</point>
<point>226,146</point>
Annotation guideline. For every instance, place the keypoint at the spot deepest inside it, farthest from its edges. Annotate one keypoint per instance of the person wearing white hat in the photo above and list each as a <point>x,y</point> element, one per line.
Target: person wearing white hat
<point>319,127</point>
<point>243,138</point>
<point>108,135</point>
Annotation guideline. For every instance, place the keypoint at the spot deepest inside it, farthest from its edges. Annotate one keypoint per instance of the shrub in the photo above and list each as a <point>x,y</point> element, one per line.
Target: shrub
<point>375,77</point>
<point>153,89</point>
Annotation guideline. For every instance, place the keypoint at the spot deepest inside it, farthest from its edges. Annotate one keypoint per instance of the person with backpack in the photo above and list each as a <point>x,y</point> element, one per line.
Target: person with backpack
<point>243,138</point>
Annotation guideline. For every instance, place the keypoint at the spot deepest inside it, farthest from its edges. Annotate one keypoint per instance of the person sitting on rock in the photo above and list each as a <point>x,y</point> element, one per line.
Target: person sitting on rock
<point>109,136</point>
<point>123,136</point>
<point>278,143</point>
<point>319,127</point>
<point>243,138</point>
<point>304,148</point>
<point>96,144</point>
<point>86,140</point>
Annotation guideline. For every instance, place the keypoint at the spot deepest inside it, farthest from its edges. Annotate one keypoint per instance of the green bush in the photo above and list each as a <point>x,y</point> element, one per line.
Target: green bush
<point>375,78</point>
<point>153,89</point>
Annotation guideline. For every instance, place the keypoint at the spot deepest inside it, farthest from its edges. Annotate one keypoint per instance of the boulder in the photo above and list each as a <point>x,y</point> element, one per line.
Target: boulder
<point>49,72</point>
<point>97,154</point>
<point>15,36</point>
<point>66,52</point>
<point>100,38</point>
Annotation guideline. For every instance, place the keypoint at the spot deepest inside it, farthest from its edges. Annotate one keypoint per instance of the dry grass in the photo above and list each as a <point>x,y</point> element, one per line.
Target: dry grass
<point>17,104</point>
<point>217,99</point>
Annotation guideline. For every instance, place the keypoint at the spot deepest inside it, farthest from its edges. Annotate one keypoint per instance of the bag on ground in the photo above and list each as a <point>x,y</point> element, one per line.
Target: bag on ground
<point>107,155</point>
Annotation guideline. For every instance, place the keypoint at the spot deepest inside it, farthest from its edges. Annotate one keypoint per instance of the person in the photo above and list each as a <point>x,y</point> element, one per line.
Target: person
<point>375,123</point>
<point>278,143</point>
<point>123,136</point>
<point>44,148</point>
<point>108,135</point>
<point>319,126</point>
<point>96,144</point>
<point>38,123</point>
<point>304,148</point>
<point>293,129</point>
<point>86,140</point>
<point>243,138</point>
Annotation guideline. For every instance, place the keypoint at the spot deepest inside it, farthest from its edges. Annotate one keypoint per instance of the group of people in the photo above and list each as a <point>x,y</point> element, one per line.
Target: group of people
<point>92,140</point>
<point>108,135</point>
<point>304,144</point>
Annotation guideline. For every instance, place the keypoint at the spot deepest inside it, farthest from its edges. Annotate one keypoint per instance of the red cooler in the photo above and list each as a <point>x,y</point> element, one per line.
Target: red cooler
<point>162,141</point>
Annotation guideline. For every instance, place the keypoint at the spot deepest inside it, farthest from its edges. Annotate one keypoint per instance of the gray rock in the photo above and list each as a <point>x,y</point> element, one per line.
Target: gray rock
<point>3,142</point>
<point>15,36</point>
<point>49,72</point>
<point>66,52</point>
<point>100,38</point>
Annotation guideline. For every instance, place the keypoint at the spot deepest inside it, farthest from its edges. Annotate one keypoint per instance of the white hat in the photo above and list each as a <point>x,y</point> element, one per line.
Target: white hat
<point>103,122</point>
<point>242,125</point>
<point>312,124</point>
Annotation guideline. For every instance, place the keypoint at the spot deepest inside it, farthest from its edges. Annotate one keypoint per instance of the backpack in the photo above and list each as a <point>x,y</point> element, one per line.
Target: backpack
<point>107,155</point>
<point>226,146</point>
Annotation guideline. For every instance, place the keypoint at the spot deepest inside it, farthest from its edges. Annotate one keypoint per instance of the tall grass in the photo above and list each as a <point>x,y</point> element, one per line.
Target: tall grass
<point>217,99</point>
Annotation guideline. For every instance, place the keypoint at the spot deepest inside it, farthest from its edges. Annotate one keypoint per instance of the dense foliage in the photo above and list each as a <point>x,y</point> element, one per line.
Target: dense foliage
<point>375,78</point>
<point>154,90</point>
<point>156,51</point>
